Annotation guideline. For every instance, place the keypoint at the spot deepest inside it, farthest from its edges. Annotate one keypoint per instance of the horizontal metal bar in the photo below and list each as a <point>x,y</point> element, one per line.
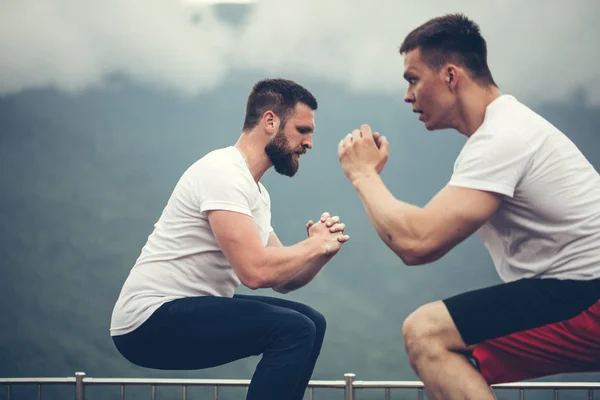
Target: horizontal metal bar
<point>165,381</point>
<point>517,385</point>
<point>192,382</point>
<point>548,385</point>
<point>388,384</point>
<point>315,383</point>
<point>32,381</point>
<point>327,384</point>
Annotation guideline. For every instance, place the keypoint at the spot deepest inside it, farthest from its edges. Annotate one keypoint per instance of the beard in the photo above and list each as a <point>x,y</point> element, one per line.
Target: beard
<point>285,160</point>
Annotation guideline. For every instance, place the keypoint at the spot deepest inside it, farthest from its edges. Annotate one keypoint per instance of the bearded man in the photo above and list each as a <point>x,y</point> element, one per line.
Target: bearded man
<point>178,309</point>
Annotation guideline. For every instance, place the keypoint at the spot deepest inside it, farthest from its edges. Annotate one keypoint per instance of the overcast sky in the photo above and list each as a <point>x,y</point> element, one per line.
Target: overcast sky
<point>538,49</point>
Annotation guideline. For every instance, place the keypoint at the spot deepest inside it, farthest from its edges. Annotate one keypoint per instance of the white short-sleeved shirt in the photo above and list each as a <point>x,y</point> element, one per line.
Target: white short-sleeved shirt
<point>548,224</point>
<point>181,257</point>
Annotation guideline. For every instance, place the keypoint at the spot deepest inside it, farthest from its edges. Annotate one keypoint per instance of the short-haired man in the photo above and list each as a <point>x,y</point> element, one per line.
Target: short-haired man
<point>177,309</point>
<point>532,197</point>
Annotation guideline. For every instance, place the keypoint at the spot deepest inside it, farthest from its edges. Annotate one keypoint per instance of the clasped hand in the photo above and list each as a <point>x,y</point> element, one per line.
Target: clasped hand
<point>331,230</point>
<point>362,153</point>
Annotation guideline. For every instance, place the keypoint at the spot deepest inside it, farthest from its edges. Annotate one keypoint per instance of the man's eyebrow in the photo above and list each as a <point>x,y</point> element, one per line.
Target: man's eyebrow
<point>305,128</point>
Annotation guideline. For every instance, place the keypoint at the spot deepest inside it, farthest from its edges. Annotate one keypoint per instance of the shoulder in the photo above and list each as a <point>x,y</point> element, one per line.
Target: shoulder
<point>221,173</point>
<point>514,120</point>
<point>506,105</point>
<point>221,164</point>
<point>227,158</point>
<point>508,124</point>
<point>492,141</point>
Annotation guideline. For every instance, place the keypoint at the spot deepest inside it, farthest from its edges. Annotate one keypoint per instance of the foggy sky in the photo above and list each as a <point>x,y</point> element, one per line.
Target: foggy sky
<point>538,50</point>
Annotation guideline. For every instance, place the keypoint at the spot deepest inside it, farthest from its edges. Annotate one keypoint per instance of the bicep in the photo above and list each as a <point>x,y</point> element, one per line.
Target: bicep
<point>455,213</point>
<point>239,240</point>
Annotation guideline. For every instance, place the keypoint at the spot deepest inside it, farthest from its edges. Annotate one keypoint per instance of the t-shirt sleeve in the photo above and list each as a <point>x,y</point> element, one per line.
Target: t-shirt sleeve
<point>225,189</point>
<point>492,162</point>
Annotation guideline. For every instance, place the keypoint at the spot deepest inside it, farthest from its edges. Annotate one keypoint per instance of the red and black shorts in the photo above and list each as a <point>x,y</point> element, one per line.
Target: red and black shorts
<point>531,327</point>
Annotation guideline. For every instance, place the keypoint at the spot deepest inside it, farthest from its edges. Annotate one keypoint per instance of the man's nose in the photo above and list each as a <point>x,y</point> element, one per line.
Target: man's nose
<point>307,143</point>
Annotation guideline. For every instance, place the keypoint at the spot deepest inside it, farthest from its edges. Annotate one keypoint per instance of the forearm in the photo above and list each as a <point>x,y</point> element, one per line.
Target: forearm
<point>304,276</point>
<point>281,264</point>
<point>394,221</point>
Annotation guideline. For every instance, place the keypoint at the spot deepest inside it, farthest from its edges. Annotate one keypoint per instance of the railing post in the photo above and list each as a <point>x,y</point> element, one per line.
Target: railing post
<point>349,389</point>
<point>79,389</point>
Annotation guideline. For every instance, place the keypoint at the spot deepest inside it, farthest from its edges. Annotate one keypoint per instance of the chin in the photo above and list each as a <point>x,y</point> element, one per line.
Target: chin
<point>289,173</point>
<point>430,126</point>
<point>433,126</point>
<point>286,169</point>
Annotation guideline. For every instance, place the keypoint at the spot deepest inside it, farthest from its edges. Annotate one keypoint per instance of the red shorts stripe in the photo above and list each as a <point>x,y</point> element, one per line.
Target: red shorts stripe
<point>567,346</point>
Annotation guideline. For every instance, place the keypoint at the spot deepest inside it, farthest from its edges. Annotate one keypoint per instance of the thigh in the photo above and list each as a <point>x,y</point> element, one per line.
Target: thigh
<point>206,331</point>
<point>517,306</point>
<point>303,309</point>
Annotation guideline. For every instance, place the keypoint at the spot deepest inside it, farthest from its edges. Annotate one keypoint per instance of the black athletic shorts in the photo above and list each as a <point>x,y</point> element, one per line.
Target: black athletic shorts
<point>531,327</point>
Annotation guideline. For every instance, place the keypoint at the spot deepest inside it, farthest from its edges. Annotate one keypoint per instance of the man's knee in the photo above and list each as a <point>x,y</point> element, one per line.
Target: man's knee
<point>319,320</point>
<point>429,330</point>
<point>299,327</point>
<point>418,332</point>
<point>315,316</point>
<point>421,324</point>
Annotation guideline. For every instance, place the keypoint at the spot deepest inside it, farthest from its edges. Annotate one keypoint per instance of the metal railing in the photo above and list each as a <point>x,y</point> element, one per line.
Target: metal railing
<point>349,384</point>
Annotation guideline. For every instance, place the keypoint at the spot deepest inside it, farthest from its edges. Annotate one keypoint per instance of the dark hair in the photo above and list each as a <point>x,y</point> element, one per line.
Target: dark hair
<point>451,38</point>
<point>277,95</point>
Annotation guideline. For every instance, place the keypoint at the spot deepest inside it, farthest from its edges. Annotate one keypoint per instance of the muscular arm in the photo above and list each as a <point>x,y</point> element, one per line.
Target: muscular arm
<point>304,276</point>
<point>255,265</point>
<point>422,235</point>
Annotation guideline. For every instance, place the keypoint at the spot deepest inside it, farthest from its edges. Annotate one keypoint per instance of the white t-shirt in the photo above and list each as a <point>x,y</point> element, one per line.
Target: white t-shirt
<point>548,224</point>
<point>181,257</point>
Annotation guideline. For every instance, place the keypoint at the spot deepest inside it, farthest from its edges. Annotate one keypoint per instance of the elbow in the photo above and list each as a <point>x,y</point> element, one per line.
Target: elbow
<point>252,274</point>
<point>251,284</point>
<point>254,279</point>
<point>281,289</point>
<point>249,278</point>
<point>415,253</point>
<point>255,282</point>
<point>412,260</point>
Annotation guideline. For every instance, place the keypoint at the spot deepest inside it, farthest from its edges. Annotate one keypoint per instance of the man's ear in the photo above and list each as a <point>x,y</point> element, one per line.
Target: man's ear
<point>451,75</point>
<point>271,122</point>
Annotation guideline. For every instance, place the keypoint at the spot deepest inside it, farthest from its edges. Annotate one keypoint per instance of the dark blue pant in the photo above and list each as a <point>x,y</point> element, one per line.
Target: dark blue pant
<point>203,332</point>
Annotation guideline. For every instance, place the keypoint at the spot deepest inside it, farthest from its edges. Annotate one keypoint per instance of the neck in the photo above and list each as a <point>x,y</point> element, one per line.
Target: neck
<point>254,154</point>
<point>472,107</point>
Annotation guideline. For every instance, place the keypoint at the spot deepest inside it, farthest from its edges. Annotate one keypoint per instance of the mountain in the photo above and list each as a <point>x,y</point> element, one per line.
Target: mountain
<point>84,177</point>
